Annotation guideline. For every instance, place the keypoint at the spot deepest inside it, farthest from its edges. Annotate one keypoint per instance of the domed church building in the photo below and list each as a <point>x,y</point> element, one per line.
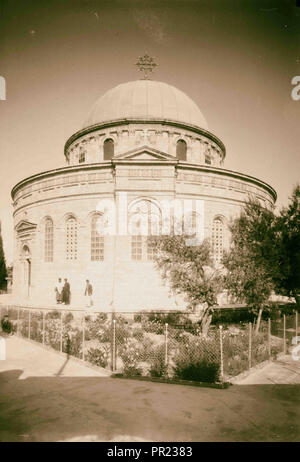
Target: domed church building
<point>143,158</point>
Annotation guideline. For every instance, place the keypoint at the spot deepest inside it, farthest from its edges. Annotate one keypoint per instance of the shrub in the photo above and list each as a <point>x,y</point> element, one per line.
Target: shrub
<point>72,341</point>
<point>98,328</point>
<point>200,371</point>
<point>24,327</point>
<point>235,352</point>
<point>197,358</point>
<point>131,371</point>
<point>52,333</point>
<point>158,366</point>
<point>13,314</point>
<point>53,314</point>
<point>36,332</point>
<point>123,330</point>
<point>131,352</point>
<point>68,318</point>
<point>138,333</point>
<point>146,345</point>
<point>153,327</point>
<point>6,325</point>
<point>232,316</point>
<point>98,356</point>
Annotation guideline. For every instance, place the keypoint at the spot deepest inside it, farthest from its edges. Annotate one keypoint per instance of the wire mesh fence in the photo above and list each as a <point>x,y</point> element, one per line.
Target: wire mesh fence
<point>166,345</point>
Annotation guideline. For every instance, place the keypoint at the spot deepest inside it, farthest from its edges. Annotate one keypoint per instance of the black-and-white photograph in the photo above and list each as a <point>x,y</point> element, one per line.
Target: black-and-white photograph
<point>149,223</point>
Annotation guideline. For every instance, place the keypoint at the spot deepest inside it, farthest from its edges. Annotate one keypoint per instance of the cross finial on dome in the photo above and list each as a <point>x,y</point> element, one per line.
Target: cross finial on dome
<point>146,65</point>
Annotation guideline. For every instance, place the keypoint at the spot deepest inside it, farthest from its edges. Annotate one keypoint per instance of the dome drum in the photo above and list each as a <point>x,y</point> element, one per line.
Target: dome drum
<point>127,136</point>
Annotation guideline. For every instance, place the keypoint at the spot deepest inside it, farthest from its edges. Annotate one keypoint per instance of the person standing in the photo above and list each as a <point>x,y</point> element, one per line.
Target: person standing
<point>66,292</point>
<point>58,290</point>
<point>88,293</point>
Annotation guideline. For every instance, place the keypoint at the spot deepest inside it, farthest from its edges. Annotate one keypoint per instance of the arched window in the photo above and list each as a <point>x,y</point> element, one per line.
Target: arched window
<point>48,240</point>
<point>97,238</point>
<point>25,251</point>
<point>81,159</point>
<point>181,149</point>
<point>108,149</point>
<point>144,221</point>
<point>71,238</point>
<point>190,223</point>
<point>207,157</point>
<point>217,239</point>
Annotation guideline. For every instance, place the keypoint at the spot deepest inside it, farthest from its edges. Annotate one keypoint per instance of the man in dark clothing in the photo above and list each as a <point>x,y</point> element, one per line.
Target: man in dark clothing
<point>88,293</point>
<point>66,292</point>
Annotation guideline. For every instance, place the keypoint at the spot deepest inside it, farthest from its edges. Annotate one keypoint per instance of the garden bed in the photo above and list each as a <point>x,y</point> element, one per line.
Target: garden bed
<point>173,381</point>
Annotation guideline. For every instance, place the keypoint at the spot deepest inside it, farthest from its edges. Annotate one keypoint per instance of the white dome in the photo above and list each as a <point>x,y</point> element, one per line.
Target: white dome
<point>145,100</point>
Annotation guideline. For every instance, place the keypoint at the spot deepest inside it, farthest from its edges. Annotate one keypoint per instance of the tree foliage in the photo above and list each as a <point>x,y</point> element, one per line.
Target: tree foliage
<point>287,279</point>
<point>3,270</point>
<point>265,253</point>
<point>189,271</point>
<point>251,260</point>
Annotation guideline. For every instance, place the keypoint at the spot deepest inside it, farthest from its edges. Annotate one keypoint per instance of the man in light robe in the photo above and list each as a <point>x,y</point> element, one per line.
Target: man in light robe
<point>58,290</point>
<point>89,293</point>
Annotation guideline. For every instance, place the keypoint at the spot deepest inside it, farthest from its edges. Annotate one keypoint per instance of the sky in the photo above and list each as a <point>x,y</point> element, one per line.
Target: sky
<point>234,58</point>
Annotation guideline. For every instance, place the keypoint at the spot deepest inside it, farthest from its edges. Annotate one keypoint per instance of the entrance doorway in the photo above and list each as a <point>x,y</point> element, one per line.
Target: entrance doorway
<point>27,269</point>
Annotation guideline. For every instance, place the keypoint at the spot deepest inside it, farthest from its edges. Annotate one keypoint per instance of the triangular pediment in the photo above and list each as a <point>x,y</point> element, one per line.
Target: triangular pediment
<point>145,153</point>
<point>24,225</point>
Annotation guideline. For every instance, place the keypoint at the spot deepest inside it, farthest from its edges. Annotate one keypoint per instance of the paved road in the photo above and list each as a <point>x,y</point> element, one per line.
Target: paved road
<point>43,398</point>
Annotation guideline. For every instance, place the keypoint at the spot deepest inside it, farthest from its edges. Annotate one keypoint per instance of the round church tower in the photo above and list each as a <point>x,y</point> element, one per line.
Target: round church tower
<point>143,160</point>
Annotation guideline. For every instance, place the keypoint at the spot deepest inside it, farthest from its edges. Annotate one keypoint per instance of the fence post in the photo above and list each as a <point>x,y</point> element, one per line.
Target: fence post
<point>166,344</point>
<point>43,327</point>
<point>113,366</point>
<point>250,345</point>
<point>29,322</point>
<point>284,334</point>
<point>269,338</point>
<point>61,331</point>
<point>83,337</point>
<point>296,322</point>
<point>18,321</point>
<point>221,354</point>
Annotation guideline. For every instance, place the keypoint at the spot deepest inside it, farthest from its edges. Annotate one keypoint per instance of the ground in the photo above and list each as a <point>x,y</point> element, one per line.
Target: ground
<point>48,397</point>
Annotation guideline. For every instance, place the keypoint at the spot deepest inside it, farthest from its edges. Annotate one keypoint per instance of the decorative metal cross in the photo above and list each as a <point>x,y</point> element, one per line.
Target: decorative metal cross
<point>146,65</point>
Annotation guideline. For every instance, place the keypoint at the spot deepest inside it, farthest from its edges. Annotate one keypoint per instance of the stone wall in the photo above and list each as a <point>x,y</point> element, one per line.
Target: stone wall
<point>119,282</point>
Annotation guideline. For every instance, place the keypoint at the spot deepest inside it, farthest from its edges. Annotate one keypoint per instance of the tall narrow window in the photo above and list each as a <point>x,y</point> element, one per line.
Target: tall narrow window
<point>190,223</point>
<point>217,239</point>
<point>48,240</point>
<point>71,239</point>
<point>181,149</point>
<point>144,221</point>
<point>154,222</point>
<point>97,238</point>
<point>136,247</point>
<point>81,156</point>
<point>208,157</point>
<point>108,149</point>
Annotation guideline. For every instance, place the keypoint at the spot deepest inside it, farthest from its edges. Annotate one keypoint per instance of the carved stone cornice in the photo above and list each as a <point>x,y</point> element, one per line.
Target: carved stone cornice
<point>167,122</point>
<point>230,174</point>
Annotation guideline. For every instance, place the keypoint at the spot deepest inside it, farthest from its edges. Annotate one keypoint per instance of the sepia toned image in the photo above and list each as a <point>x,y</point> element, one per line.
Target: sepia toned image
<point>149,223</point>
